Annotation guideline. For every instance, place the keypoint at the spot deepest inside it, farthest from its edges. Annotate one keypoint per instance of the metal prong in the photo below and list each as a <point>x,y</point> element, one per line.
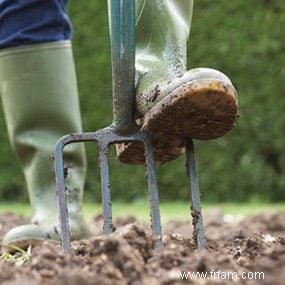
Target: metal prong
<point>153,192</point>
<point>63,211</point>
<point>199,232</point>
<point>105,185</point>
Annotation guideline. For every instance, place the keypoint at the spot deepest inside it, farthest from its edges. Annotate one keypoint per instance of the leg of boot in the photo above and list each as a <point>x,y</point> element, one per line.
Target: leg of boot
<point>172,103</point>
<point>39,94</point>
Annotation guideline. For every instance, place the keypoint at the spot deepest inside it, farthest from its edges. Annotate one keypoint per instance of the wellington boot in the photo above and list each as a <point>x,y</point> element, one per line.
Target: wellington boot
<point>172,103</point>
<point>39,93</point>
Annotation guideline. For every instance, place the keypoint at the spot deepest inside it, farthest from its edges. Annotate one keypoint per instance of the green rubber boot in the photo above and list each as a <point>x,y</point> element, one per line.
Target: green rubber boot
<point>39,93</point>
<point>172,103</point>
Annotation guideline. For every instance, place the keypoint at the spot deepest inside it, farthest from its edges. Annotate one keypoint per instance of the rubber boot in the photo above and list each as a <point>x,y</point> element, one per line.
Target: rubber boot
<point>39,93</point>
<point>172,103</point>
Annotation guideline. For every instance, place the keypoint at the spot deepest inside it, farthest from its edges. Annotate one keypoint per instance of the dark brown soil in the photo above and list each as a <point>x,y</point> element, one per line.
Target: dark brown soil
<point>252,249</point>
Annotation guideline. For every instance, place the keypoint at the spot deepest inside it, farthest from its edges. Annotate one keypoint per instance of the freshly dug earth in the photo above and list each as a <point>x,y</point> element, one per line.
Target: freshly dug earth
<point>247,251</point>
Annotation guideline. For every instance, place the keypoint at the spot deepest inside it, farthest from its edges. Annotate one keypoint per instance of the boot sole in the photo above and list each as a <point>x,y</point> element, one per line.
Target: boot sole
<point>204,110</point>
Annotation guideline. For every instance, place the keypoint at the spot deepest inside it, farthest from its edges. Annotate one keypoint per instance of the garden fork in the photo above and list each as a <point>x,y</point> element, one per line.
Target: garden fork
<point>123,129</point>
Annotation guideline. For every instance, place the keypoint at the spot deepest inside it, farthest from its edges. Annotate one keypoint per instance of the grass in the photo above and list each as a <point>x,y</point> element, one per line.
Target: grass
<point>19,256</point>
<point>169,210</point>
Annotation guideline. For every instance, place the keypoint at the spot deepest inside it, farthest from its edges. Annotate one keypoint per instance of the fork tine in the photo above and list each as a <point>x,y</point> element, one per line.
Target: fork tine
<point>199,232</point>
<point>105,186</point>
<point>60,186</point>
<point>153,192</point>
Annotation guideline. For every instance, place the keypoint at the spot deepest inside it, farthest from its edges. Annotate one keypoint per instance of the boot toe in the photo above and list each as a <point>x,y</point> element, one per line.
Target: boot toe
<point>25,236</point>
<point>32,234</point>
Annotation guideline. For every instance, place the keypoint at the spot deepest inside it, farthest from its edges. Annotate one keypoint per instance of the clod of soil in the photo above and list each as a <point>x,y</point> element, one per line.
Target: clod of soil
<point>252,249</point>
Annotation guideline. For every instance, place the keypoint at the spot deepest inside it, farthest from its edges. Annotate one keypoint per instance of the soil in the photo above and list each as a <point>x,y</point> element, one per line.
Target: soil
<point>236,249</point>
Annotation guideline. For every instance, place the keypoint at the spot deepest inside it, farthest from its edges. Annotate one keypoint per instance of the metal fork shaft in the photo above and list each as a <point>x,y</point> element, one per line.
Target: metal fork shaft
<point>122,19</point>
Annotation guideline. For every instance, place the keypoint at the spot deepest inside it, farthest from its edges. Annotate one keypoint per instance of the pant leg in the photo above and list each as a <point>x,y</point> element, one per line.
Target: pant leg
<point>26,22</point>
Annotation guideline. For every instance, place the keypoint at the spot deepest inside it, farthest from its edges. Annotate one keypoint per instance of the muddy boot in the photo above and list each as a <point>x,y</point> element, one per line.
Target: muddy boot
<point>172,103</point>
<point>39,93</point>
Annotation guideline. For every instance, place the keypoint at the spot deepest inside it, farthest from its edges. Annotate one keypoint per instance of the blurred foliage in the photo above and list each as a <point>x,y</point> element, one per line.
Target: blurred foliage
<point>245,40</point>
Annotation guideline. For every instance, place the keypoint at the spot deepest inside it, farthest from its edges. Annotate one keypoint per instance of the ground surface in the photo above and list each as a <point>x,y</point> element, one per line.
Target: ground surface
<point>236,249</point>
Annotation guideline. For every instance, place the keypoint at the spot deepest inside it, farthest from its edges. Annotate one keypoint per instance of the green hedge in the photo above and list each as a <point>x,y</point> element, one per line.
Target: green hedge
<point>245,40</point>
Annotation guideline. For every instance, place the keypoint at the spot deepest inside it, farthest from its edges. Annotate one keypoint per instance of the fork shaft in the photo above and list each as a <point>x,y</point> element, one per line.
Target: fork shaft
<point>122,19</point>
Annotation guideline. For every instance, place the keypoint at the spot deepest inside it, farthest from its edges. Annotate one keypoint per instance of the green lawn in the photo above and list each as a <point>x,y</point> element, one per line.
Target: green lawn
<point>171,210</point>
